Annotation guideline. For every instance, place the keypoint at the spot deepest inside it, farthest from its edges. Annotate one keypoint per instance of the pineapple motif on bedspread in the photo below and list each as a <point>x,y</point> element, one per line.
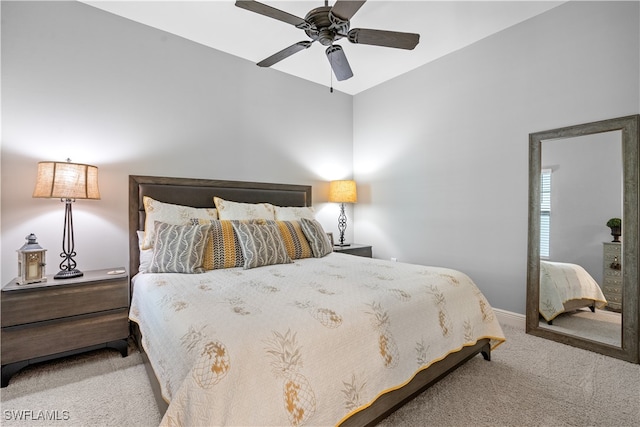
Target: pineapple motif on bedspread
<point>306,343</point>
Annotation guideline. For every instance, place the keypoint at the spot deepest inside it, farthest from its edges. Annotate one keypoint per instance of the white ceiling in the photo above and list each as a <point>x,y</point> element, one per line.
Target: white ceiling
<point>444,27</point>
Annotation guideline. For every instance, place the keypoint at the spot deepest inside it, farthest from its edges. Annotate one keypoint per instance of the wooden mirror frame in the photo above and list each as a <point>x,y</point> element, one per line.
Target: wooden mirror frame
<point>629,127</point>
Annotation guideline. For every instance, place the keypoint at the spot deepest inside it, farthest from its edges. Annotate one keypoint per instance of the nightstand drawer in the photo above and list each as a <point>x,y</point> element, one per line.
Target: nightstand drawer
<point>614,298</point>
<point>57,336</point>
<point>611,250</point>
<point>611,290</point>
<point>612,281</point>
<point>614,303</point>
<point>26,306</point>
<point>614,274</point>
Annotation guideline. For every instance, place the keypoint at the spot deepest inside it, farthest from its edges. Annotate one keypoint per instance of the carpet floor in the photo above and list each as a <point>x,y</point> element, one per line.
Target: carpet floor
<point>529,382</point>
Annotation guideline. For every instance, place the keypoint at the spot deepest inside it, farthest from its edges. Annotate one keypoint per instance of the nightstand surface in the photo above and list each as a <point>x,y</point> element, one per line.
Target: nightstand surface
<point>59,317</point>
<point>355,249</point>
<point>88,276</point>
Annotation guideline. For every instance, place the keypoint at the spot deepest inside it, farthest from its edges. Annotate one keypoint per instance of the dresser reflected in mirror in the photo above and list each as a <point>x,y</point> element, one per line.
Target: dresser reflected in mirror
<point>582,282</point>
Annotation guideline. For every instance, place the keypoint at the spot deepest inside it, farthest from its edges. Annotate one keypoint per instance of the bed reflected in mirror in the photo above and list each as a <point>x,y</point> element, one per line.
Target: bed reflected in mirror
<point>582,286</point>
<point>581,189</point>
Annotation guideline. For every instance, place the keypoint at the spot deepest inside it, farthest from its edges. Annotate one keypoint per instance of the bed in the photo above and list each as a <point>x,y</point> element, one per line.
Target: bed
<point>328,340</point>
<point>566,287</point>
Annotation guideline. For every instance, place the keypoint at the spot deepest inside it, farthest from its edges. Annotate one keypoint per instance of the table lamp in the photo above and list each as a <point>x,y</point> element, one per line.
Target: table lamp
<point>342,191</point>
<point>67,182</point>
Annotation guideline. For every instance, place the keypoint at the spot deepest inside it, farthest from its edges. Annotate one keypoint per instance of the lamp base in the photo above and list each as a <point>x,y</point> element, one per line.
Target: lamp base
<point>68,274</point>
<point>342,245</point>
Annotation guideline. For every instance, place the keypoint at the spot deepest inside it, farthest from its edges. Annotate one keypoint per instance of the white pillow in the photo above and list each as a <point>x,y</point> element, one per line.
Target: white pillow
<point>294,213</point>
<point>146,255</point>
<point>169,214</point>
<point>243,211</point>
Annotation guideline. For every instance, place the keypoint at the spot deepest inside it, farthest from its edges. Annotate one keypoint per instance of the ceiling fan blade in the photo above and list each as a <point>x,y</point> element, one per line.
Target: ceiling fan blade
<point>339,63</point>
<point>284,53</point>
<point>345,9</point>
<point>272,12</point>
<point>384,38</point>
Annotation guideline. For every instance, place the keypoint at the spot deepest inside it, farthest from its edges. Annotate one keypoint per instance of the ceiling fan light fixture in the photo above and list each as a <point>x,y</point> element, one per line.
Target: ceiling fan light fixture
<point>339,63</point>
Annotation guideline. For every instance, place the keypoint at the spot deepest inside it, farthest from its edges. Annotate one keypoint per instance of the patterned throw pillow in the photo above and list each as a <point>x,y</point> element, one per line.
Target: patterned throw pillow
<point>294,239</point>
<point>243,211</point>
<point>223,249</point>
<point>169,214</point>
<point>178,248</point>
<point>261,245</point>
<point>318,239</point>
<point>293,213</point>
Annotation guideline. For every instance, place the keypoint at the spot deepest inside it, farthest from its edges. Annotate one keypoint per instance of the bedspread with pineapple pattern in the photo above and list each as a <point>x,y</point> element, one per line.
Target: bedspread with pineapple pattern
<point>307,343</point>
<point>561,282</point>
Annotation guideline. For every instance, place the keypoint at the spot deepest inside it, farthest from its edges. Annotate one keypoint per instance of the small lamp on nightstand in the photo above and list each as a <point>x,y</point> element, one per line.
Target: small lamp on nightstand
<point>342,191</point>
<point>67,182</point>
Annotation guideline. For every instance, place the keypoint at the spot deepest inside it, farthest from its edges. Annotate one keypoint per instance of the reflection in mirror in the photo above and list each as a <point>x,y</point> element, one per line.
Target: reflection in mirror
<point>581,190</point>
<point>582,288</point>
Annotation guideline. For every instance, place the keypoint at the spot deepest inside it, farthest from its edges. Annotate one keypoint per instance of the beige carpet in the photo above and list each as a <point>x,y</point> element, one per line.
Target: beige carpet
<point>98,388</point>
<point>529,382</point>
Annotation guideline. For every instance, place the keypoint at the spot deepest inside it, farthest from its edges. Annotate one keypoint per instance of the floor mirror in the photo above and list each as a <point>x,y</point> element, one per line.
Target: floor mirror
<point>582,281</point>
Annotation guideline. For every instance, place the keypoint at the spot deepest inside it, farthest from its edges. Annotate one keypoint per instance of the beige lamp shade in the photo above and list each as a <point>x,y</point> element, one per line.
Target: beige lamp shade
<point>58,180</point>
<point>343,191</point>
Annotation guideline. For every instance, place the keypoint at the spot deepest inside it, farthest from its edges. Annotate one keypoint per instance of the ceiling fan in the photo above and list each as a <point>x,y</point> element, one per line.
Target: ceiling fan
<point>326,25</point>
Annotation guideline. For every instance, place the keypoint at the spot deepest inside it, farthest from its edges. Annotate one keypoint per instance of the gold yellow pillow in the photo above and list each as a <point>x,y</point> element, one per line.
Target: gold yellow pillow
<point>223,249</point>
<point>294,239</point>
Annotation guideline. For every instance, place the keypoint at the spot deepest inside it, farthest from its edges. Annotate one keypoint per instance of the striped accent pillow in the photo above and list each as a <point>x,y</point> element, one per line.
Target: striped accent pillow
<point>223,249</point>
<point>294,239</point>
<point>178,248</point>
<point>318,239</point>
<point>261,245</point>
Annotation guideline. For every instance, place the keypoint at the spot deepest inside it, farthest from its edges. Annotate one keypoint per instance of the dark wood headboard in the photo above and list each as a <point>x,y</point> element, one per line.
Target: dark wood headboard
<point>199,193</point>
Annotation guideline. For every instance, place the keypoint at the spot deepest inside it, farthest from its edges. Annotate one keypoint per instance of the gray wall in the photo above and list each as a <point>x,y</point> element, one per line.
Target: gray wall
<point>441,153</point>
<point>79,82</point>
<point>586,190</point>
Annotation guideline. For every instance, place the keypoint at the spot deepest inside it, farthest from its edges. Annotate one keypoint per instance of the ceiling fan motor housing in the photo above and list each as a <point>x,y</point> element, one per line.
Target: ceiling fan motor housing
<point>325,27</point>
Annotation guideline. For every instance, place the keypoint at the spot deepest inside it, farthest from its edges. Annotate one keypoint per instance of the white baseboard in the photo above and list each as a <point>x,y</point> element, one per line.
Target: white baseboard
<point>510,318</point>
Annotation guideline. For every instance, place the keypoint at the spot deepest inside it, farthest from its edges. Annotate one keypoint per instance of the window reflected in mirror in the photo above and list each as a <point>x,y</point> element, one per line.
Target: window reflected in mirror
<point>545,212</point>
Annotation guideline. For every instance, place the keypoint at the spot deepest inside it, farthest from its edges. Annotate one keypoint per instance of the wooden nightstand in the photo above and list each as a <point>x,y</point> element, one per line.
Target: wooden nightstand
<point>61,317</point>
<point>355,249</point>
